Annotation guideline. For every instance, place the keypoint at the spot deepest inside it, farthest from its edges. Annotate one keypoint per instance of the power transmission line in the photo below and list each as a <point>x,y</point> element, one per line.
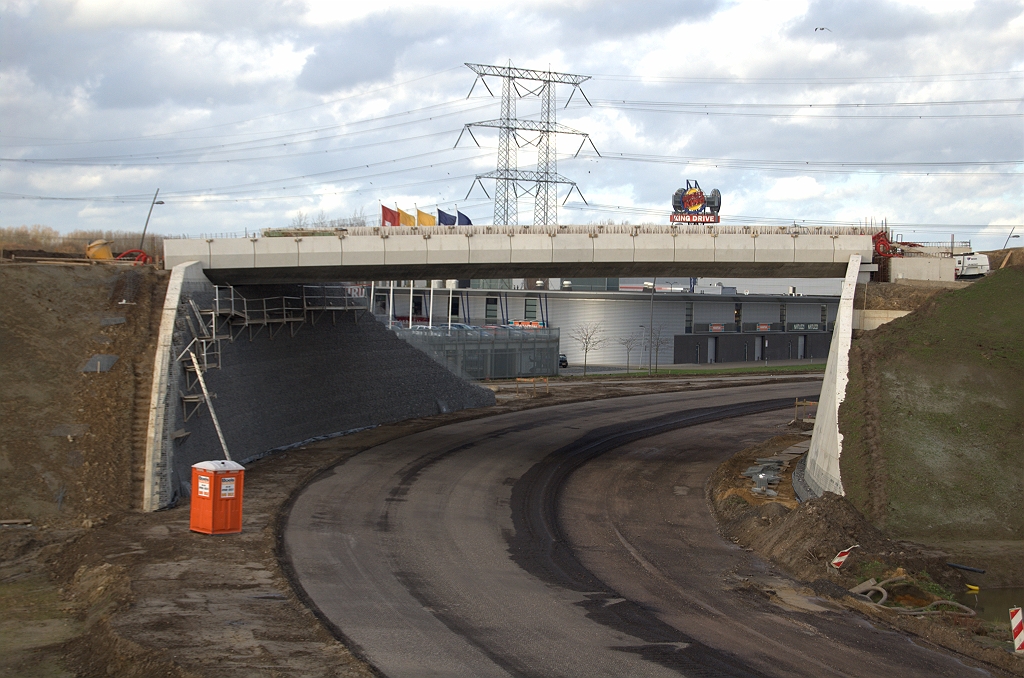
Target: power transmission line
<point>508,178</point>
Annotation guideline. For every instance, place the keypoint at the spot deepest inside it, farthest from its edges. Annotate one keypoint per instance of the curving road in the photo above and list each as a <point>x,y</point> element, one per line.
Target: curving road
<point>570,541</point>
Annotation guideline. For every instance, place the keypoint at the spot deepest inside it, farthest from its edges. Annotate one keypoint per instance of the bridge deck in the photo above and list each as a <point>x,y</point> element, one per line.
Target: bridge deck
<point>520,251</point>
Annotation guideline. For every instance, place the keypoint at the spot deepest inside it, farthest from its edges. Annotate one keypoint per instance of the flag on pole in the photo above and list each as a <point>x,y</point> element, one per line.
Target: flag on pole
<point>406,219</point>
<point>425,219</point>
<point>841,557</point>
<point>463,219</point>
<point>388,217</point>
<point>445,218</point>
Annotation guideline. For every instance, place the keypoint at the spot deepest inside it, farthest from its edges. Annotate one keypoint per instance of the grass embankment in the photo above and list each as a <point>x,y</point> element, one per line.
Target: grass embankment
<point>643,374</point>
<point>933,420</point>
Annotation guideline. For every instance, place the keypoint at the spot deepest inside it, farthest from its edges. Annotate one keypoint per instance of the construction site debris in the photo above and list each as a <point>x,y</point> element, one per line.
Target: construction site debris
<point>100,362</point>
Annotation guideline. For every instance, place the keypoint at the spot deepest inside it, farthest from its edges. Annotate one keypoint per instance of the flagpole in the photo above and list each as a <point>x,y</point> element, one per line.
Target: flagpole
<point>412,283</point>
<point>417,208</point>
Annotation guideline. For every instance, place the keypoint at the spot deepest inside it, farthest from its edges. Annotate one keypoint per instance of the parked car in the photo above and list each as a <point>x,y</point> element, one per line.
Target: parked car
<point>562,360</point>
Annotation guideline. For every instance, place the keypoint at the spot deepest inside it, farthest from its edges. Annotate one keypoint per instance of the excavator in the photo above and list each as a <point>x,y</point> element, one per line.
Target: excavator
<point>100,249</point>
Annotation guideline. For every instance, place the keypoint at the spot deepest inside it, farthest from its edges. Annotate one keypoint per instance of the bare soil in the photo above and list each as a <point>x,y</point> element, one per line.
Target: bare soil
<point>802,540</point>
<point>67,451</point>
<point>1013,256</point>
<point>893,296</point>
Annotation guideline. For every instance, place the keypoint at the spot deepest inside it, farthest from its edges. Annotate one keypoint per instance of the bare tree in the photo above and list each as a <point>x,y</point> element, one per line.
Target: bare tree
<point>588,336</point>
<point>660,341</point>
<point>357,219</point>
<point>300,220</point>
<point>320,220</point>
<point>629,343</point>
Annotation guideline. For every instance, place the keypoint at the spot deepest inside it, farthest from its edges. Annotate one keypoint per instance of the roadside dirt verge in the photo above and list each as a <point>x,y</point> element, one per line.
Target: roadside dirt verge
<point>89,586</point>
<point>69,453</point>
<point>801,539</point>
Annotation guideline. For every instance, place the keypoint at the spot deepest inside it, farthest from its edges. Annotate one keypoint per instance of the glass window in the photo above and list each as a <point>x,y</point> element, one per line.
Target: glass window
<point>491,310</point>
<point>530,311</point>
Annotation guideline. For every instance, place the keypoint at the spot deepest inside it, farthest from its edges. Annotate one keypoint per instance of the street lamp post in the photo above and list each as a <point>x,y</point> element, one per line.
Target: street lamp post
<point>1010,236</point>
<point>142,241</point>
<point>650,345</point>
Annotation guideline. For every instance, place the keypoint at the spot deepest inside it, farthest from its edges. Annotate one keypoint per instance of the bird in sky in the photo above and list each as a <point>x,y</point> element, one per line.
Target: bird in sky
<point>822,29</point>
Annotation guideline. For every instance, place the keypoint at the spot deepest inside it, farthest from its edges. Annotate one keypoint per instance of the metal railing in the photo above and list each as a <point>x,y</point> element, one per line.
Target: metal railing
<point>239,313</point>
<point>488,352</point>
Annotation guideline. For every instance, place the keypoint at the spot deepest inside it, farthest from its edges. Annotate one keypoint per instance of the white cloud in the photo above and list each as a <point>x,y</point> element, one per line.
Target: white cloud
<point>795,188</point>
<point>142,83</point>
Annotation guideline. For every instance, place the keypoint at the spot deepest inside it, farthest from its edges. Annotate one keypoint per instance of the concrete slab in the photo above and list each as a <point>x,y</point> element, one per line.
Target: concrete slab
<point>362,251</point>
<point>531,248</point>
<point>735,247</point>
<point>319,251</point>
<point>490,248</point>
<point>696,248</point>
<point>572,248</point>
<point>774,248</point>
<point>614,247</point>
<point>272,252</point>
<point>654,247</point>
<point>101,362</point>
<point>405,250</point>
<point>447,248</point>
<point>234,252</point>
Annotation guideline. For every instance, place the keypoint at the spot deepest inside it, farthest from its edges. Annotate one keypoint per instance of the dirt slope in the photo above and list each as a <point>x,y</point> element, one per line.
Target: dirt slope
<point>1013,256</point>
<point>66,448</point>
<point>933,425</point>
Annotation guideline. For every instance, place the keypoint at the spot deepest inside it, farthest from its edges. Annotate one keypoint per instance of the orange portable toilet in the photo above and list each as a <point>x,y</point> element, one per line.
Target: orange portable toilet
<point>217,497</point>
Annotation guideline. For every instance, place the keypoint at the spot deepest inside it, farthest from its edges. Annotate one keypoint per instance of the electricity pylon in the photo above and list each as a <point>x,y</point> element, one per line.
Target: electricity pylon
<point>508,178</point>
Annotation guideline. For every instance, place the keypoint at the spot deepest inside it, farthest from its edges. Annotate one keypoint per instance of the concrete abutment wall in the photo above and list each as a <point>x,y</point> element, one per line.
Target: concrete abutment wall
<point>822,469</point>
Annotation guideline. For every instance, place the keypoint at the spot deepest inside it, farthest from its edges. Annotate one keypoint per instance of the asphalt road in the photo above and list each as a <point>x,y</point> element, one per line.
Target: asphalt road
<point>562,542</point>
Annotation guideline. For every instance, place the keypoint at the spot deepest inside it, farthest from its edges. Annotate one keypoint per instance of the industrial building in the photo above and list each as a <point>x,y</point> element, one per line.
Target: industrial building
<point>688,328</point>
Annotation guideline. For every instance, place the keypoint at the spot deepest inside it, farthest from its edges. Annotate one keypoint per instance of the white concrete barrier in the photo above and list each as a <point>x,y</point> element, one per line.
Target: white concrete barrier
<point>822,474</point>
<point>157,489</point>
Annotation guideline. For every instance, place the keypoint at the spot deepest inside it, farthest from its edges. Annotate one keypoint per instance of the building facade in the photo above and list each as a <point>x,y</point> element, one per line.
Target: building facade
<point>682,327</point>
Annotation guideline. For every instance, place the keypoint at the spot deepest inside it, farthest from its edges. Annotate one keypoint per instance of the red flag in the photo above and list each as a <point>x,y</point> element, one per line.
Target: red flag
<point>388,217</point>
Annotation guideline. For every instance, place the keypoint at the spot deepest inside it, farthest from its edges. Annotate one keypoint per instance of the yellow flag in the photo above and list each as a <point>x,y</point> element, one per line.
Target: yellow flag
<point>406,219</point>
<point>426,219</point>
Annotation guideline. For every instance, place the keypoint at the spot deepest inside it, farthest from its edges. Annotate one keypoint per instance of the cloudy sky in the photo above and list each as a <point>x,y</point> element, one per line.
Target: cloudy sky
<point>245,112</point>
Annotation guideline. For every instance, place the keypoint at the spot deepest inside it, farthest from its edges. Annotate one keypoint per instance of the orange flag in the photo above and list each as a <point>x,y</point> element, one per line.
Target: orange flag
<point>425,219</point>
<point>406,219</point>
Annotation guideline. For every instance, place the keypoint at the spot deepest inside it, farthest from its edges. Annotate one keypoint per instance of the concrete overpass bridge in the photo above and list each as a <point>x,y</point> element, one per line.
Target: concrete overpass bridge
<point>464,252</point>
